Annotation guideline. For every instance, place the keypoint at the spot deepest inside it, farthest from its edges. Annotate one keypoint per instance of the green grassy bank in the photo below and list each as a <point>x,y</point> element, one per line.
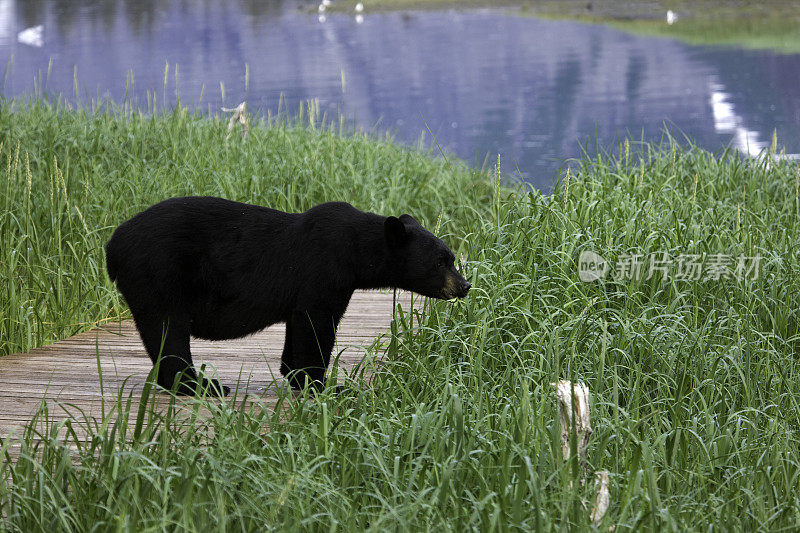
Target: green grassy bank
<point>694,383</point>
<point>757,25</point>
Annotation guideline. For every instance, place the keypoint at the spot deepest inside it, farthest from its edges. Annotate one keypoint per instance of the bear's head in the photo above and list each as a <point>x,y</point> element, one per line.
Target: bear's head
<point>420,261</point>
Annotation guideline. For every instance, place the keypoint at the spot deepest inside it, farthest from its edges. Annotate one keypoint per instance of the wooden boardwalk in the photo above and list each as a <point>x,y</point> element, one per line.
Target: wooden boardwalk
<point>66,373</point>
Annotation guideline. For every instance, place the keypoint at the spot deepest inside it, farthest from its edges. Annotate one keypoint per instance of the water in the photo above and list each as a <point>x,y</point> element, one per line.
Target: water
<point>536,92</point>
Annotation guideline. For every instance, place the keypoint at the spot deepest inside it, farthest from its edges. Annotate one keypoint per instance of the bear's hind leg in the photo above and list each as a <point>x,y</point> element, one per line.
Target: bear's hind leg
<point>167,344</point>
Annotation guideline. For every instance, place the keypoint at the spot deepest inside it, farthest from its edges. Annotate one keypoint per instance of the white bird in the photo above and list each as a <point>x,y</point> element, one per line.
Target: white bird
<point>359,7</point>
<point>326,2</point>
<point>671,17</point>
<point>321,8</point>
<point>33,36</point>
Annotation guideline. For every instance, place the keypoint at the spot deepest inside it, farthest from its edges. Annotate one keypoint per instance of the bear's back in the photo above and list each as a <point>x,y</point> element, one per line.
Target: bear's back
<point>184,233</point>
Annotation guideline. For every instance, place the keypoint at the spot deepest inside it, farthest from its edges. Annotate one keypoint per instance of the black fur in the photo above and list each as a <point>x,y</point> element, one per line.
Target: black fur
<point>217,269</point>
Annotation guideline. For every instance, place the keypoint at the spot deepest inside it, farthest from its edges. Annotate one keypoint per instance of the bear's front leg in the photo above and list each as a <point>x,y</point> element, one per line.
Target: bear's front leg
<point>287,358</point>
<point>313,333</point>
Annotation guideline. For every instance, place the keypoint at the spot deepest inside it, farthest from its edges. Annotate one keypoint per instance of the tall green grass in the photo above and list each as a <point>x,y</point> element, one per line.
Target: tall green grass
<point>694,384</point>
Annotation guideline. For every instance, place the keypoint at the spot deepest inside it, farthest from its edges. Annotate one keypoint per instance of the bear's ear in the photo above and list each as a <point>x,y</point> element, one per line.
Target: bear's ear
<point>395,231</point>
<point>408,218</point>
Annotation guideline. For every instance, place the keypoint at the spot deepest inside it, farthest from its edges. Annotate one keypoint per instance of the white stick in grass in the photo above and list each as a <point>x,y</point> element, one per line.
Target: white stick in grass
<point>577,394</point>
<point>583,428</point>
<point>602,499</point>
<point>239,115</point>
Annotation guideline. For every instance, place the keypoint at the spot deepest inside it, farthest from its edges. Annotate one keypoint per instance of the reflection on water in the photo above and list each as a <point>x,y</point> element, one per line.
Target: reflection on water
<point>726,121</point>
<point>482,83</point>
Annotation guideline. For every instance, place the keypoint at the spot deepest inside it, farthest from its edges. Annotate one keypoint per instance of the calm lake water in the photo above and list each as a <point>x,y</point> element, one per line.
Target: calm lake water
<point>483,83</point>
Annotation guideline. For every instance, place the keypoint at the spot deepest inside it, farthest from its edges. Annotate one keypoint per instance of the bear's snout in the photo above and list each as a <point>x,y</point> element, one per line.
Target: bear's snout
<point>455,286</point>
<point>465,286</point>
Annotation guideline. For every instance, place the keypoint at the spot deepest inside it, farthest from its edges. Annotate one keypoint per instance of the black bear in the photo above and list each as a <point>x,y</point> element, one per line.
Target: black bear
<point>217,269</point>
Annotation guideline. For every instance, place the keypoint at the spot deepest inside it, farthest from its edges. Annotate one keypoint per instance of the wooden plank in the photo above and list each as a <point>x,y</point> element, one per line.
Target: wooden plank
<point>66,372</point>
